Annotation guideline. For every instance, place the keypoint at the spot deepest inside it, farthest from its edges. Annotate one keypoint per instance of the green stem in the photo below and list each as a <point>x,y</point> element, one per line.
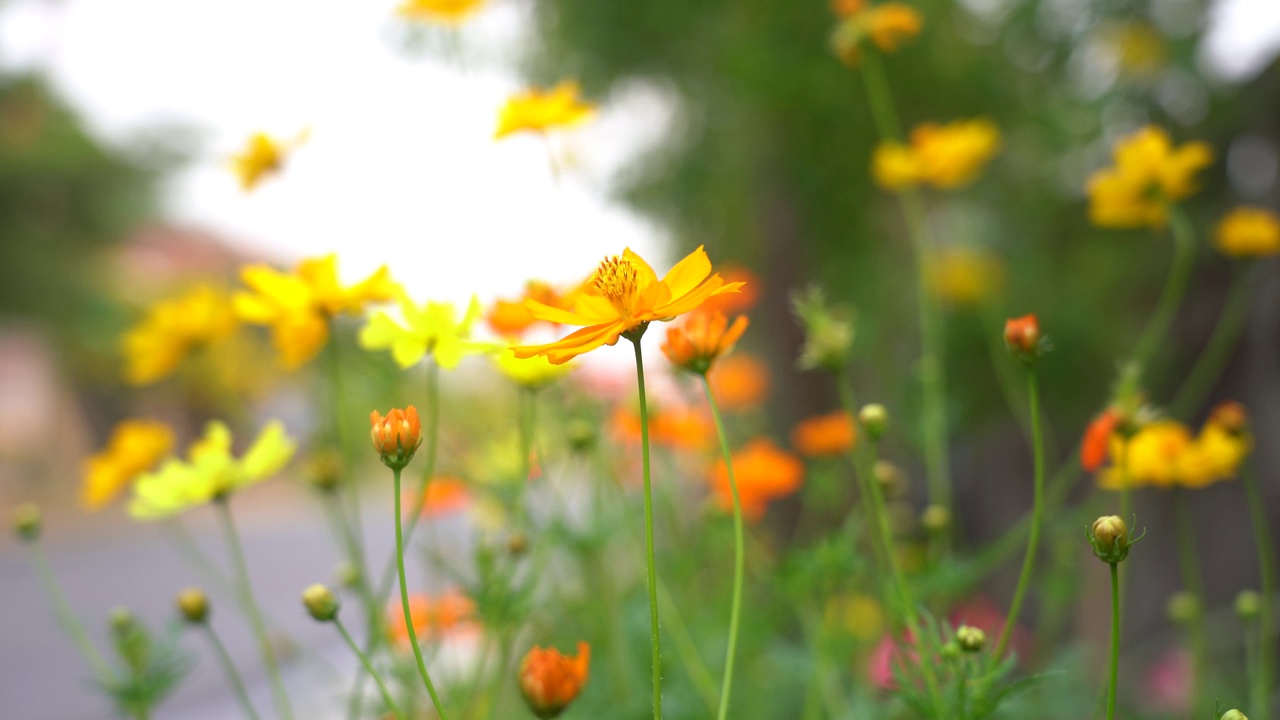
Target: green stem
<point>504,658</point>
<point>1215,355</point>
<point>739,555</point>
<point>686,650</point>
<point>71,624</point>
<point>233,675</point>
<point>1115,642</point>
<point>404,602</point>
<point>250,606</point>
<point>338,519</point>
<point>1037,519</point>
<point>1175,287</point>
<point>338,401</point>
<point>368,667</point>
<point>1193,585</point>
<point>1259,705</point>
<point>648,534</point>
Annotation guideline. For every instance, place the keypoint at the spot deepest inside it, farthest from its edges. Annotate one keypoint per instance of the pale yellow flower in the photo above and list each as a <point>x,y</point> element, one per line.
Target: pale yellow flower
<point>433,329</point>
<point>262,157</point>
<point>1248,232</point>
<point>540,111</point>
<point>531,372</point>
<point>135,447</point>
<point>943,156</point>
<point>1148,176</point>
<point>172,329</point>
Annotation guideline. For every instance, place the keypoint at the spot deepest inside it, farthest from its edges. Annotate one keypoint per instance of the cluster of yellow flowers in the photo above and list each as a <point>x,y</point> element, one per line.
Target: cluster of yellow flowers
<point>943,156</point>
<point>887,25</point>
<point>1166,453</point>
<point>1148,176</point>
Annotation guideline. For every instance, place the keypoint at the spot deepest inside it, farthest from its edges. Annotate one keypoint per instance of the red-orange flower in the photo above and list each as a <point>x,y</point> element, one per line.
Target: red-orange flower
<point>397,436</point>
<point>623,296</point>
<point>741,301</point>
<point>432,616</point>
<point>1096,446</point>
<point>764,473</point>
<point>510,318</point>
<point>677,427</point>
<point>705,336</point>
<point>445,495</point>
<point>550,680</point>
<point>1022,335</point>
<point>740,381</point>
<point>827,435</point>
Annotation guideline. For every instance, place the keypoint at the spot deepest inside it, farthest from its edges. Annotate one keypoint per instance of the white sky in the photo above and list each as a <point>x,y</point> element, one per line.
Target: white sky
<point>401,167</point>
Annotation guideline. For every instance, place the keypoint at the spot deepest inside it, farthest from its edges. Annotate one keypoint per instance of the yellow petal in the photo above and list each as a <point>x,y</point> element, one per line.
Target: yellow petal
<point>687,273</point>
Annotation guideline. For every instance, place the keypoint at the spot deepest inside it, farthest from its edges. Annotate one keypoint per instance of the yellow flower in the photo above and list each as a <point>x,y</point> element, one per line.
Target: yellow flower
<point>533,372</point>
<point>539,110</point>
<point>210,472</point>
<point>172,329</point>
<point>1148,176</point>
<point>963,275</point>
<point>449,12</point>
<point>886,25</point>
<point>1165,454</point>
<point>299,307</point>
<point>944,156</point>
<point>262,157</point>
<point>135,447</point>
<point>862,616</point>
<point>432,328</point>
<point>623,295</point>
<point>1248,232</point>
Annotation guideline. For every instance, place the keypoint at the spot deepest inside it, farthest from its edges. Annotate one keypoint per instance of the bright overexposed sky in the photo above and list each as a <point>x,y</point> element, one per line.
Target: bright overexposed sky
<point>401,167</point>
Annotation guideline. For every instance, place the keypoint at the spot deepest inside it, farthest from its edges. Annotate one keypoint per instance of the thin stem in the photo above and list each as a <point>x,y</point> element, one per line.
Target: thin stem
<point>1193,585</point>
<point>71,624</point>
<point>337,518</point>
<point>686,650</point>
<point>250,606</point>
<point>404,602</point>
<point>1037,519</point>
<point>1115,642</point>
<point>180,537</point>
<point>1259,705</point>
<point>338,402</point>
<point>233,675</point>
<point>1175,287</point>
<point>364,660</point>
<point>504,657</point>
<point>648,535</point>
<point>1217,352</point>
<point>739,555</point>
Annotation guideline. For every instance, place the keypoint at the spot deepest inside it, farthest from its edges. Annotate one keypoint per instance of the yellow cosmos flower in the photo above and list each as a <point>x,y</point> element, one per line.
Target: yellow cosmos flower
<point>210,472</point>
<point>539,111</point>
<point>886,25</point>
<point>1148,176</point>
<point>623,295</point>
<point>1166,454</point>
<point>963,275</point>
<point>299,306</point>
<point>172,329</point>
<point>533,372</point>
<point>943,156</point>
<point>1248,232</point>
<point>135,447</point>
<point>432,328</point>
<point>262,157</point>
<point>448,12</point>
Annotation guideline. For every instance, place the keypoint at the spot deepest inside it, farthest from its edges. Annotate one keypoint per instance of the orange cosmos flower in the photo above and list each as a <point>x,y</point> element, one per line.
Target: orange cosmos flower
<point>623,297</point>
<point>510,318</point>
<point>550,680</point>
<point>738,302</point>
<point>1022,336</point>
<point>539,110</point>
<point>444,495</point>
<point>432,616</point>
<point>1095,448</point>
<point>673,427</point>
<point>700,340</point>
<point>827,435</point>
<point>740,381</point>
<point>764,473</point>
<point>397,436</point>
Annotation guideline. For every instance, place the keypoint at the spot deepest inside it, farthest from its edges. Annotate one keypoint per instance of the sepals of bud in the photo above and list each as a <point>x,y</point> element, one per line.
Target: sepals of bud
<point>1110,538</point>
<point>397,436</point>
<point>320,602</point>
<point>193,604</point>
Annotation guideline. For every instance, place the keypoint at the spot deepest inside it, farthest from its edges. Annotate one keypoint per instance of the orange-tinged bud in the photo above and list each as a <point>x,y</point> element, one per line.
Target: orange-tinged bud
<point>1095,447</point>
<point>1022,335</point>
<point>397,436</point>
<point>1230,416</point>
<point>705,336</point>
<point>550,681</point>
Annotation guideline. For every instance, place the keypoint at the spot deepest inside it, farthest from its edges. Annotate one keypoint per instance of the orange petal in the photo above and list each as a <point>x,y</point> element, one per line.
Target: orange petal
<point>688,273</point>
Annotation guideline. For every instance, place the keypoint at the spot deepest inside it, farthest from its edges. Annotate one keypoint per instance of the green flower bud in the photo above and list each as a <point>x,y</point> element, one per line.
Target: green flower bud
<point>1248,605</point>
<point>194,605</point>
<point>1109,536</point>
<point>26,522</point>
<point>320,602</point>
<point>1233,714</point>
<point>970,639</point>
<point>875,419</point>
<point>1182,607</point>
<point>936,519</point>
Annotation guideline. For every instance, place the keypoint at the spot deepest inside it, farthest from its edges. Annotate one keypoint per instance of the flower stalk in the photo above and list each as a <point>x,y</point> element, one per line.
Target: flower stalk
<point>368,667</point>
<point>1262,683</point>
<point>1175,288</point>
<point>739,556</point>
<point>650,563</point>
<point>404,600</point>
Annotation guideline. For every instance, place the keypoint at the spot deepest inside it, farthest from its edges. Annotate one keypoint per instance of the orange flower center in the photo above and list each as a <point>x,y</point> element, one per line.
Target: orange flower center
<point>617,280</point>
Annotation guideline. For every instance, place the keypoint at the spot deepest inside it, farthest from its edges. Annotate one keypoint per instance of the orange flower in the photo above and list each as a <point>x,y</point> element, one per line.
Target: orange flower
<point>510,318</point>
<point>550,680</point>
<point>397,436</point>
<point>764,473</point>
<point>740,381</point>
<point>1095,448</point>
<point>1022,335</point>
<point>827,435</point>
<point>432,617</point>
<point>623,297</point>
<point>738,302</point>
<point>444,495</point>
<point>674,427</point>
<point>704,337</point>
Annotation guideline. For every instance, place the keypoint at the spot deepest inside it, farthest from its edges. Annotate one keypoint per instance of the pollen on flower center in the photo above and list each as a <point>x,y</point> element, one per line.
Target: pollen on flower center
<point>616,279</point>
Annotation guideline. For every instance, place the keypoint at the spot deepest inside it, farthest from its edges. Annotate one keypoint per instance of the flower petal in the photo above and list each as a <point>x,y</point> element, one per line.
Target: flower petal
<point>688,273</point>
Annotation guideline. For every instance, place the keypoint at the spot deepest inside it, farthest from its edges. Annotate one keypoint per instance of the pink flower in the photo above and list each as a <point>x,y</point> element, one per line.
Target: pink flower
<point>1168,683</point>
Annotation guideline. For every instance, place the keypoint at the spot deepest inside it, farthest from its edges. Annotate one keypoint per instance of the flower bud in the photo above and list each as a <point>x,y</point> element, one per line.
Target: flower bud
<point>936,519</point>
<point>193,604</point>
<point>1233,714</point>
<point>582,435</point>
<point>1182,607</point>
<point>347,575</point>
<point>26,522</point>
<point>1110,538</point>
<point>828,331</point>
<point>122,619</point>
<point>1022,336</point>
<point>517,544</point>
<point>550,681</point>
<point>890,478</point>
<point>397,436</point>
<point>874,418</point>
<point>320,602</point>
<point>970,639</point>
<point>1248,605</point>
<point>1230,416</point>
<point>324,470</point>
